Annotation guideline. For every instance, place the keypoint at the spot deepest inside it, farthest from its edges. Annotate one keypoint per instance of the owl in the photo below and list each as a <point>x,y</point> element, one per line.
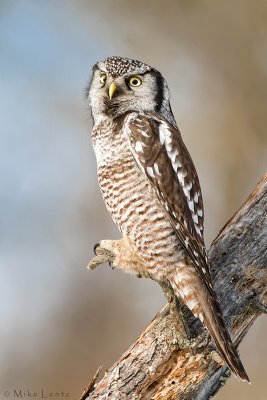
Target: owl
<point>151,189</point>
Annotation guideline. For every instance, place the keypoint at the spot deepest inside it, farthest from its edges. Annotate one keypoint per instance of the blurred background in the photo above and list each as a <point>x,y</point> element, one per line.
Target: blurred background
<point>59,321</point>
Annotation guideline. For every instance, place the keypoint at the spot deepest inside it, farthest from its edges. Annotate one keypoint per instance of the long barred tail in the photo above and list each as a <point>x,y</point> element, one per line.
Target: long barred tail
<point>203,303</point>
<point>214,322</point>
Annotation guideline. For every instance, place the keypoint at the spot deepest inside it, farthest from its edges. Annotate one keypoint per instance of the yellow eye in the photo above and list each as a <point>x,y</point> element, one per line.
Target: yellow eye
<point>135,81</point>
<point>103,78</point>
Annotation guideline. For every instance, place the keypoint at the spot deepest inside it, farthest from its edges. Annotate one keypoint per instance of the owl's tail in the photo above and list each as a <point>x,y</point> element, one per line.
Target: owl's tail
<point>204,305</point>
<point>214,322</point>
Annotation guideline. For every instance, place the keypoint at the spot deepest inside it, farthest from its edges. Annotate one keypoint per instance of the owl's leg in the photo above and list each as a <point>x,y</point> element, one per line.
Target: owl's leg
<point>182,319</point>
<point>176,309</point>
<point>121,253</point>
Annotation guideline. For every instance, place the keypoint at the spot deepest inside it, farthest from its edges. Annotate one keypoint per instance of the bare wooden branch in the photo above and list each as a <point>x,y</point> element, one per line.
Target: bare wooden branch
<point>91,385</point>
<point>160,365</point>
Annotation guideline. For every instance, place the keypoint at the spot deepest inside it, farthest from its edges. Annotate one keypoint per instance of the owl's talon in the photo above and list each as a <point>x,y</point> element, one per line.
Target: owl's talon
<point>139,275</point>
<point>95,247</point>
<point>111,265</point>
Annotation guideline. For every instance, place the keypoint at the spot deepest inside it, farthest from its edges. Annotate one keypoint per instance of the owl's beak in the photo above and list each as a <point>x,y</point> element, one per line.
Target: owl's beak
<point>112,89</point>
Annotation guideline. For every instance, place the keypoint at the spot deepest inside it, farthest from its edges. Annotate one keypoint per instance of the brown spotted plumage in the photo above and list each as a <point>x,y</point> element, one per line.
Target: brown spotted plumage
<point>151,189</point>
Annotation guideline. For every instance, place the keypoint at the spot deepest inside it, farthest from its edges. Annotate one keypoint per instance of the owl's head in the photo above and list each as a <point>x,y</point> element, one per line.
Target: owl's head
<point>120,85</point>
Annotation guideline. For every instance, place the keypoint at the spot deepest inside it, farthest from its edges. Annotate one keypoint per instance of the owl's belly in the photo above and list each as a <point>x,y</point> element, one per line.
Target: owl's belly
<point>138,213</point>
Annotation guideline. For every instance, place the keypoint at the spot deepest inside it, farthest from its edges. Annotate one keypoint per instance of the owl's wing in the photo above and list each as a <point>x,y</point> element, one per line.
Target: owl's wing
<point>161,155</point>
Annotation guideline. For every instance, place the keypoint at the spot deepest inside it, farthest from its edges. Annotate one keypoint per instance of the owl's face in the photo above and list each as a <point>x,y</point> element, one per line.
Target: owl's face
<point>120,85</point>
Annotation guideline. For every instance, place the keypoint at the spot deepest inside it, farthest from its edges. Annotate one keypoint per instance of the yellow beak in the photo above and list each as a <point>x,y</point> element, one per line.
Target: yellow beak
<point>112,89</point>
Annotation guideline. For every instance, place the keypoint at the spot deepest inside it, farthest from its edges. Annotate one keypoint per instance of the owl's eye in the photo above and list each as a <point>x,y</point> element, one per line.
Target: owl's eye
<point>135,81</point>
<point>103,78</point>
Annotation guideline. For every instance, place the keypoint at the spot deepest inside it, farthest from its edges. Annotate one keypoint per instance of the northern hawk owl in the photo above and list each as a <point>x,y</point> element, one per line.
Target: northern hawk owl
<point>151,189</point>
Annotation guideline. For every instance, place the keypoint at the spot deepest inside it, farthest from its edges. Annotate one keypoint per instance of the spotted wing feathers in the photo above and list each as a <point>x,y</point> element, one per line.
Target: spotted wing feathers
<point>160,153</point>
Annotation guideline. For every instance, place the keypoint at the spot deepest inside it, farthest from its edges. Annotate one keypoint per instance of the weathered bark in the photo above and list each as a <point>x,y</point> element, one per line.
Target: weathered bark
<point>160,364</point>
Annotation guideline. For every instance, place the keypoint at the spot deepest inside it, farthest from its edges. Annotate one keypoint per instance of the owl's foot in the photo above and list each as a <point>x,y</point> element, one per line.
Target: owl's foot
<point>96,246</point>
<point>119,254</point>
<point>102,255</point>
<point>179,320</point>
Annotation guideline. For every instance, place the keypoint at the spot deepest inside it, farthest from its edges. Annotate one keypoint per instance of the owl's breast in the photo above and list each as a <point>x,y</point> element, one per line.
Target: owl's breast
<point>124,188</point>
<point>131,200</point>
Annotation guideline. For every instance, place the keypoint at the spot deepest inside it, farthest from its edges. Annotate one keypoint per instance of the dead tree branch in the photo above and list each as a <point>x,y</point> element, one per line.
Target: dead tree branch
<point>160,365</point>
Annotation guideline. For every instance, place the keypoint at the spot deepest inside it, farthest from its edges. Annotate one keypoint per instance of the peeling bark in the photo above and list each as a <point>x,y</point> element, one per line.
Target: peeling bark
<point>161,364</point>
